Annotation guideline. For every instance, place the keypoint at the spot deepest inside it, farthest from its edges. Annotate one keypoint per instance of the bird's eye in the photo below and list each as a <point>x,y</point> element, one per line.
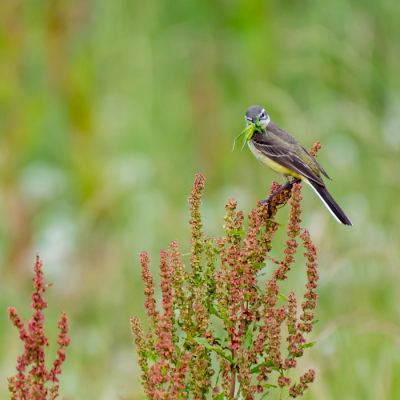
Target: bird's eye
<point>262,115</point>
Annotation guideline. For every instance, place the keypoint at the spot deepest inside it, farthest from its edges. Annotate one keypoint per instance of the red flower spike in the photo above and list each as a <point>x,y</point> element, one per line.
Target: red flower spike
<point>33,384</point>
<point>314,150</point>
<point>252,318</point>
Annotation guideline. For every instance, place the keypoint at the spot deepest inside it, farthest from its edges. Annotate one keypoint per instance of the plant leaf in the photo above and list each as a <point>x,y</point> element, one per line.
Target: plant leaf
<point>219,397</point>
<point>222,313</point>
<point>256,369</point>
<point>237,233</point>
<point>281,296</point>
<point>214,311</point>
<point>248,340</point>
<point>181,342</point>
<point>311,344</point>
<point>150,356</point>
<point>219,373</point>
<point>204,342</point>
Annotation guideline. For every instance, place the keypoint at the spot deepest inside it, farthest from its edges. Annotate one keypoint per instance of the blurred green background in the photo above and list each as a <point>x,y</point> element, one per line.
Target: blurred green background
<point>109,108</point>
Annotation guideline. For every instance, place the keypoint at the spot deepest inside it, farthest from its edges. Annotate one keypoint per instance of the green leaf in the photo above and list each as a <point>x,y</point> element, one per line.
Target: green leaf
<point>219,307</point>
<point>259,265</point>
<point>146,369</point>
<point>258,288</point>
<point>281,296</point>
<point>256,370</point>
<point>198,278</point>
<point>219,397</point>
<point>216,251</point>
<point>279,224</point>
<point>311,344</point>
<point>204,342</point>
<point>264,395</point>
<point>225,293</point>
<point>181,342</point>
<point>222,313</point>
<point>150,356</point>
<point>267,385</point>
<point>190,233</point>
<point>219,373</point>
<point>315,321</point>
<point>214,311</point>
<point>248,340</point>
<point>237,233</point>
<point>223,354</point>
<point>163,370</point>
<point>291,329</point>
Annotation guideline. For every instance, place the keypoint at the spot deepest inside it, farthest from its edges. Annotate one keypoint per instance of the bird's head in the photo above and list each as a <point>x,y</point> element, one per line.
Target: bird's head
<point>256,119</point>
<point>258,116</point>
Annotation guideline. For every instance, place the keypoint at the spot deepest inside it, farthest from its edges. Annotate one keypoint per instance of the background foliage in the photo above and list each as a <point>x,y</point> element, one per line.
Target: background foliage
<point>109,108</point>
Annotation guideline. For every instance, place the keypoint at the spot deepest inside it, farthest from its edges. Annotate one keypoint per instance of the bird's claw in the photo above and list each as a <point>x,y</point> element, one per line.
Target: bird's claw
<point>267,200</point>
<point>288,185</point>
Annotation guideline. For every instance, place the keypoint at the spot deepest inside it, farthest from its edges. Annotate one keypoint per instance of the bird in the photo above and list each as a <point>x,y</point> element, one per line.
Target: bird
<point>281,152</point>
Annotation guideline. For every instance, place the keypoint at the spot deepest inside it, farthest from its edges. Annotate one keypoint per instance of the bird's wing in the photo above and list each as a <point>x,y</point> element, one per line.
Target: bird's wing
<point>317,164</point>
<point>285,156</point>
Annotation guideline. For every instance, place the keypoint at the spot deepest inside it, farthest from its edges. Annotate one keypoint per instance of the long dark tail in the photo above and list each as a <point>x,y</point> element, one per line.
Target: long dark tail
<point>330,203</point>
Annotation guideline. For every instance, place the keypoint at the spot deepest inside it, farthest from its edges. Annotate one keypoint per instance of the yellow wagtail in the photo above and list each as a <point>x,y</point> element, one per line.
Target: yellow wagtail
<point>281,152</point>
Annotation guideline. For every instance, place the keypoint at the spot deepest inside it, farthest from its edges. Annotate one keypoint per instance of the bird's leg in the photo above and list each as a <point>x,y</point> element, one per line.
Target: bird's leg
<point>284,187</point>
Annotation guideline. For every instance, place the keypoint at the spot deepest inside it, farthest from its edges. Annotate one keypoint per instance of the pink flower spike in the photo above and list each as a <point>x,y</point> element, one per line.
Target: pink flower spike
<point>33,384</point>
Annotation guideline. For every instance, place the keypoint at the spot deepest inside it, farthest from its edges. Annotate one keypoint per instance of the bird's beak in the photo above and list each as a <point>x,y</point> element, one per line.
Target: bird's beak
<point>255,121</point>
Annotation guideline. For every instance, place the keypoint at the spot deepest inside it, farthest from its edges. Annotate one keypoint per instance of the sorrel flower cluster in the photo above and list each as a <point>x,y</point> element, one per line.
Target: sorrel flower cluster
<point>33,384</point>
<point>181,355</point>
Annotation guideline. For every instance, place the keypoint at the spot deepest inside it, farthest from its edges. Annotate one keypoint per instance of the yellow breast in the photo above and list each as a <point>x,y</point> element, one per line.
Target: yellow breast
<point>263,159</point>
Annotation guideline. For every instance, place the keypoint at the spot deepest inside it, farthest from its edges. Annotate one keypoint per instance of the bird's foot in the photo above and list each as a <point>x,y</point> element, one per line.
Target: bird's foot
<point>288,185</point>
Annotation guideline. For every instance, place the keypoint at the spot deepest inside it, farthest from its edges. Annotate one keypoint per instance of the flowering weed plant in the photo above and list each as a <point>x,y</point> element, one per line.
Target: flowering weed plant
<point>181,356</point>
<point>32,385</point>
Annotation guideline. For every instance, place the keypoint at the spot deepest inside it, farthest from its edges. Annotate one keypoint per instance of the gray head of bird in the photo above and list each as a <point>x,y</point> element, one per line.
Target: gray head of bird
<point>258,116</point>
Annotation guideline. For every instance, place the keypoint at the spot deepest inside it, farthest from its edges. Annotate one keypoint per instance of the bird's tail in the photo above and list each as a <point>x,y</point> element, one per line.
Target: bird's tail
<point>330,203</point>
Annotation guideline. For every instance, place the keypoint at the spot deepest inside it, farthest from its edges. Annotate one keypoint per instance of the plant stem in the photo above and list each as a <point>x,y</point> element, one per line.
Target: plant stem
<point>233,375</point>
<point>233,381</point>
